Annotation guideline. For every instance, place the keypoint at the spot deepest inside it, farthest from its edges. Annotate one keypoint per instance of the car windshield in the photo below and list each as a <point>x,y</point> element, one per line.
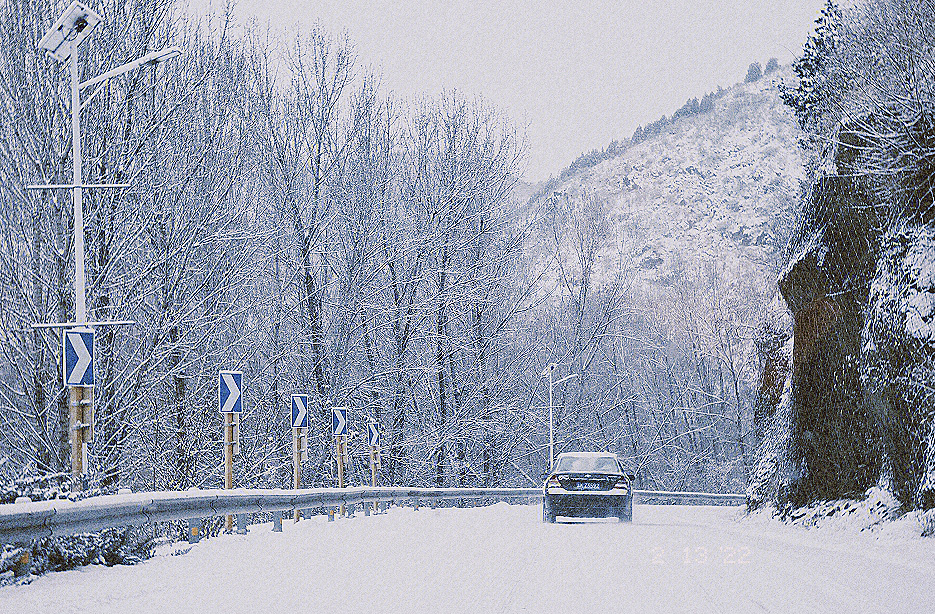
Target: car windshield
<point>592,464</point>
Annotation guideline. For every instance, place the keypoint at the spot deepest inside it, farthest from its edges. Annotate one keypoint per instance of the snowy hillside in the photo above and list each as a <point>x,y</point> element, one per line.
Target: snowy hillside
<point>711,187</point>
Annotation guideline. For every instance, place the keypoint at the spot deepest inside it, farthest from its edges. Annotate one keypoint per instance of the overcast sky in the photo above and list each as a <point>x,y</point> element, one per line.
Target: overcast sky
<point>574,74</point>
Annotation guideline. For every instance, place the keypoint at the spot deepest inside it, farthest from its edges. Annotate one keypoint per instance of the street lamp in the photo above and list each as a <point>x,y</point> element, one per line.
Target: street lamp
<point>61,43</point>
<point>549,370</point>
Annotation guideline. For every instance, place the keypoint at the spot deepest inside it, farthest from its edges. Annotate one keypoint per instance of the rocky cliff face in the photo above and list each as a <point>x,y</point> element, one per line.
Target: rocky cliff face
<point>859,400</point>
<point>858,405</point>
<point>833,445</point>
<point>898,365</point>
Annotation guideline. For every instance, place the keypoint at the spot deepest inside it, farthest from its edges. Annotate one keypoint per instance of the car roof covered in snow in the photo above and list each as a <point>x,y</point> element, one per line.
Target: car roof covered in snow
<point>588,454</point>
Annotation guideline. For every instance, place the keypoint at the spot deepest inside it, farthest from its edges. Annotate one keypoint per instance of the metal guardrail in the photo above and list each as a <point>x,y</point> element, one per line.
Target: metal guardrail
<point>27,521</point>
<point>662,497</point>
<point>20,522</point>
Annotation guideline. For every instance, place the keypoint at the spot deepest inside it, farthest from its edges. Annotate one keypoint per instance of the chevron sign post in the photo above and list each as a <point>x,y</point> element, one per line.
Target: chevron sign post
<point>299,441</point>
<point>78,374</point>
<point>374,437</point>
<point>339,429</point>
<point>230,400</point>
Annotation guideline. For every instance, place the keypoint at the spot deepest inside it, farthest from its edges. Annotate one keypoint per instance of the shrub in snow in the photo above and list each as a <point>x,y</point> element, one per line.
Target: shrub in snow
<point>36,488</point>
<point>121,546</point>
<point>865,511</point>
<point>118,546</point>
<point>927,519</point>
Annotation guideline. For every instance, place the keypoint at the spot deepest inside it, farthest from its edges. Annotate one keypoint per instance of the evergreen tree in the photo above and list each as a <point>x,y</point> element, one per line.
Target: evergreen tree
<point>754,72</point>
<point>811,68</point>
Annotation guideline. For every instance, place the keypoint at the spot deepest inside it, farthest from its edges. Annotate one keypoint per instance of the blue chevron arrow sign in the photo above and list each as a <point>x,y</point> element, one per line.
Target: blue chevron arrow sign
<point>78,351</point>
<point>230,391</point>
<point>300,411</point>
<point>339,421</point>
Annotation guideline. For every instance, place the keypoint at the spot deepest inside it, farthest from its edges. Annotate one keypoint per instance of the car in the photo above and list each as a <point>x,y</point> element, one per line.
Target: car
<point>588,485</point>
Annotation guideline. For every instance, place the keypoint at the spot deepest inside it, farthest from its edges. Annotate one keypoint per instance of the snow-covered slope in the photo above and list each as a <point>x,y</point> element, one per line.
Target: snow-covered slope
<point>713,187</point>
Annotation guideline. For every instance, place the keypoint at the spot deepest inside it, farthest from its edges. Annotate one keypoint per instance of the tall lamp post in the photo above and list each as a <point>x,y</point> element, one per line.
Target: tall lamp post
<point>549,370</point>
<point>61,43</point>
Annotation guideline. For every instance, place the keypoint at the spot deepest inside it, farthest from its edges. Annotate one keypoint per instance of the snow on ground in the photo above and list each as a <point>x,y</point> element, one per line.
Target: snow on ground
<point>504,559</point>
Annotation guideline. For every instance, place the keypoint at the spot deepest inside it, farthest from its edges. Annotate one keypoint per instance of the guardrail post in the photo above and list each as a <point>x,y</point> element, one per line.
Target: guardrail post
<point>241,524</point>
<point>367,505</point>
<point>195,529</point>
<point>23,563</point>
<point>277,522</point>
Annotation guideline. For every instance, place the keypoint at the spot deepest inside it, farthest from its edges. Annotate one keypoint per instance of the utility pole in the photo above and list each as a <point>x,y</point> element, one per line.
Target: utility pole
<point>551,427</point>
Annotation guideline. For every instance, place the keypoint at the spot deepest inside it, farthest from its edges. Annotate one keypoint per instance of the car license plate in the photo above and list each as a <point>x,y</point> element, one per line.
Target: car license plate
<point>589,486</point>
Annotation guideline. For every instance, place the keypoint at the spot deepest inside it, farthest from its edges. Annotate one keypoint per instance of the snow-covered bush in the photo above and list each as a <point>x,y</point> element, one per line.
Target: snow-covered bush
<point>118,546</point>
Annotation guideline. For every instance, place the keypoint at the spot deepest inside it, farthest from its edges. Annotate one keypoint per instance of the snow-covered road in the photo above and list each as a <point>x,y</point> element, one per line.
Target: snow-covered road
<point>503,559</point>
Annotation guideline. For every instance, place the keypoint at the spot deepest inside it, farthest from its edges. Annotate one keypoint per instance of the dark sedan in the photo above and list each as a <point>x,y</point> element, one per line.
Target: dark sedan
<point>588,485</point>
